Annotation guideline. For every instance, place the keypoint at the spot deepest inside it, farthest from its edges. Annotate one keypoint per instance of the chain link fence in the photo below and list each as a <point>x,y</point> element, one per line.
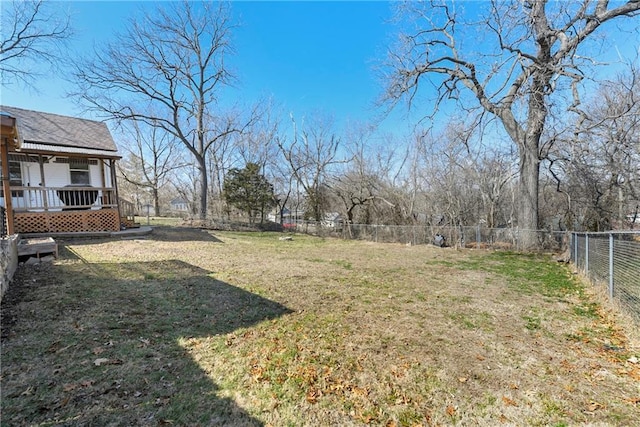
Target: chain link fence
<point>475,237</point>
<point>611,259</point>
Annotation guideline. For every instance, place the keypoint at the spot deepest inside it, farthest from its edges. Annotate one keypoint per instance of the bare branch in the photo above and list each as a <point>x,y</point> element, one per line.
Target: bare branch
<point>513,76</point>
<point>30,35</point>
<point>167,70</point>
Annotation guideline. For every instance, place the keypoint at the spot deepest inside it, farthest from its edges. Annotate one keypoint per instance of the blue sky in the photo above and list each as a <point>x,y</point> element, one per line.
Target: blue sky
<point>306,56</point>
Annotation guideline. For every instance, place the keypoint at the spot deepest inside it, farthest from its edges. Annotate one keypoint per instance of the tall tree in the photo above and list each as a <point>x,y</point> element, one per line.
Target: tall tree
<point>174,61</point>
<point>521,53</point>
<point>363,180</point>
<point>597,166</point>
<point>152,155</point>
<point>30,35</point>
<point>310,155</point>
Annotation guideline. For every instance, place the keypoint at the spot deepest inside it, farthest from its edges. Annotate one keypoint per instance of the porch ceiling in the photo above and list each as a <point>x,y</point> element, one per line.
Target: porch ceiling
<point>36,148</point>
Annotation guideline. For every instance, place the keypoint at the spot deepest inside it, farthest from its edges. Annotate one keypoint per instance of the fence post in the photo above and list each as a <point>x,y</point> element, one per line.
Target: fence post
<point>574,243</point>
<point>611,265</point>
<point>586,254</point>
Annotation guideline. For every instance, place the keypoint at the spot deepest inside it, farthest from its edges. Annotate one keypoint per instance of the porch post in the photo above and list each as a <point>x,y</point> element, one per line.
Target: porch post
<point>43,184</point>
<point>114,182</point>
<point>6,184</point>
<point>103,183</point>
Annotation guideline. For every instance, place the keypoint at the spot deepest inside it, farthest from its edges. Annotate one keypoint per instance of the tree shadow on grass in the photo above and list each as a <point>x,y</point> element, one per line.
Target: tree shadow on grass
<point>100,344</point>
<point>182,234</point>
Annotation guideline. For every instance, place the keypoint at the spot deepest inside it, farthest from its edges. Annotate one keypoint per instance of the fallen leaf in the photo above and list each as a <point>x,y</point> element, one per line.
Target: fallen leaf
<point>312,395</point>
<point>503,419</point>
<point>463,379</point>
<point>594,406</point>
<point>509,402</point>
<point>100,361</point>
<point>28,392</point>
<point>366,418</point>
<point>359,391</point>
<point>513,386</point>
<point>53,348</point>
<point>164,401</point>
<point>451,410</point>
<point>65,401</point>
<point>391,423</point>
<point>69,387</point>
<point>634,400</point>
<point>257,373</point>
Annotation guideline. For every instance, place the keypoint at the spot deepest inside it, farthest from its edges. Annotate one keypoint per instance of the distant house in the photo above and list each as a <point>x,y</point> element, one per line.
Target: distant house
<point>179,205</point>
<point>274,215</point>
<point>60,173</point>
<point>332,220</point>
<point>290,219</point>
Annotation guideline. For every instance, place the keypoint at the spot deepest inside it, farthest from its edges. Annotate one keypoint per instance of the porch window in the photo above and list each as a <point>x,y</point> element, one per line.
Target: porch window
<point>79,171</point>
<point>15,178</point>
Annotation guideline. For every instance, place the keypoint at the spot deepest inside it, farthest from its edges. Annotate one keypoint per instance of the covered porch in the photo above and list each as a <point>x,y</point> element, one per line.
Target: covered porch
<point>58,175</point>
<point>65,209</point>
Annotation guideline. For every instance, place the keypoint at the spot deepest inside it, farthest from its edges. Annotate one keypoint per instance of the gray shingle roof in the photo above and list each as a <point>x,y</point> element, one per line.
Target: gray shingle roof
<point>54,129</point>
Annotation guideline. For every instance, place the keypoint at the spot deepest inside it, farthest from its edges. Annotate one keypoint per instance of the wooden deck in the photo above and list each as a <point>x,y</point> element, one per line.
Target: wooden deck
<point>37,246</point>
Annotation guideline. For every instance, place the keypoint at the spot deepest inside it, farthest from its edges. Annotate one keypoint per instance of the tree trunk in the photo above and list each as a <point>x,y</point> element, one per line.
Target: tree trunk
<point>527,214</point>
<point>156,201</point>
<point>202,169</point>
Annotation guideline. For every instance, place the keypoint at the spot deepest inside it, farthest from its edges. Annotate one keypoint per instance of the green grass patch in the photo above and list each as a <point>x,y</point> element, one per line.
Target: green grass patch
<point>587,309</point>
<point>532,323</point>
<point>530,273</point>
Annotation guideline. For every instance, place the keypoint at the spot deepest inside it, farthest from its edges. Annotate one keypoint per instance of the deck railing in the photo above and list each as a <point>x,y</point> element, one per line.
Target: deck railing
<point>127,208</point>
<point>45,199</point>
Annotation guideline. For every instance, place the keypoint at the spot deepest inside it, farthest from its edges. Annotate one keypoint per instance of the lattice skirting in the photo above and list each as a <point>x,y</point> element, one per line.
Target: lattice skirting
<point>67,222</point>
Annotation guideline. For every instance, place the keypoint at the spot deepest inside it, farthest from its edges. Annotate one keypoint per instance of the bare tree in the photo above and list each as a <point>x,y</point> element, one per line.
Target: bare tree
<point>365,179</point>
<point>597,166</point>
<point>529,48</point>
<point>310,155</point>
<point>30,35</point>
<point>186,184</point>
<point>174,60</point>
<point>152,156</point>
<point>448,181</point>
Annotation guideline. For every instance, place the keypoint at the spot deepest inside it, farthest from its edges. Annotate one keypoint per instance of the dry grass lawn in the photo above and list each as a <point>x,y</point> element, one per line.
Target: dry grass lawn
<point>193,327</point>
